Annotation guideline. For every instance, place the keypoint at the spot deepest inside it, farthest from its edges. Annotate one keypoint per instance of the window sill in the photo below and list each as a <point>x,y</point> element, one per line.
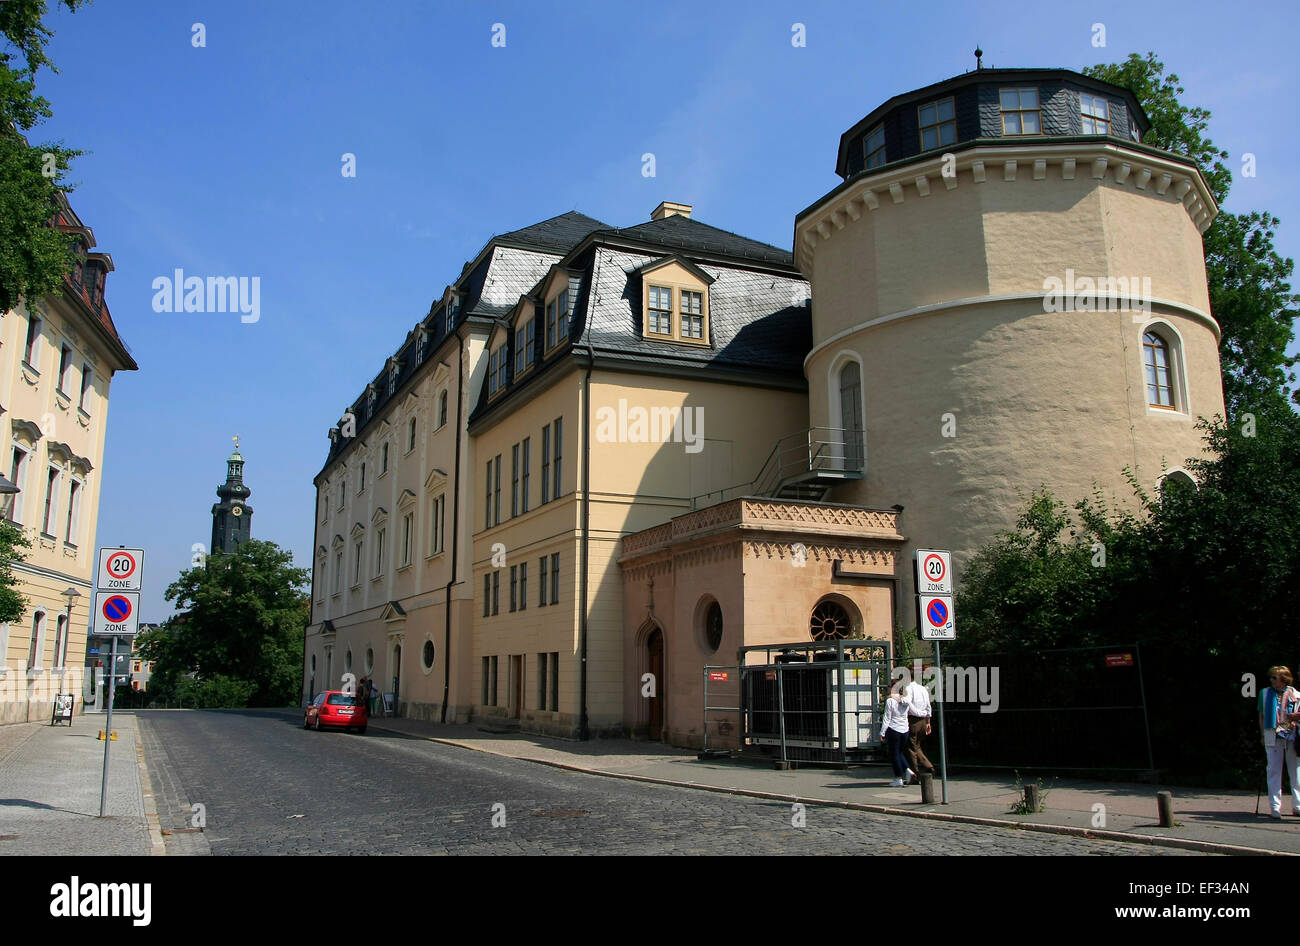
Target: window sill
<point>83,415</point>
<point>30,374</point>
<point>406,567</point>
<point>432,555</point>
<point>62,398</point>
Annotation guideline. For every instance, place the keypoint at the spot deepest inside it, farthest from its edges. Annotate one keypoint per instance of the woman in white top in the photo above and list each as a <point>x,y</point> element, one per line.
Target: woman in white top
<point>894,734</point>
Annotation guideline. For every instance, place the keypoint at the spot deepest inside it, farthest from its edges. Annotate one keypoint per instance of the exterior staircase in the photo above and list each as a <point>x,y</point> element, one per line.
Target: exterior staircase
<point>804,466</point>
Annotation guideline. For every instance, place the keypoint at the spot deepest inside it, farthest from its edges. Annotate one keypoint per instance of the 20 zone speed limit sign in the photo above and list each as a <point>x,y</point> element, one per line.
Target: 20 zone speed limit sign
<point>120,569</point>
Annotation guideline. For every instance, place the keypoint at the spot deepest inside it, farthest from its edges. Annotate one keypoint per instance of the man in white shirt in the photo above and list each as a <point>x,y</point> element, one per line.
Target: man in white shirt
<point>918,721</point>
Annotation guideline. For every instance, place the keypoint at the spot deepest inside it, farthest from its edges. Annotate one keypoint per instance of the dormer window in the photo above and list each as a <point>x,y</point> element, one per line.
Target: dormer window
<point>676,313</point>
<point>873,147</point>
<point>503,362</point>
<point>492,371</point>
<point>557,319</point>
<point>661,311</point>
<point>421,339</point>
<point>371,396</point>
<point>525,336</point>
<point>692,314</point>
<point>1020,112</point>
<point>1096,114</point>
<point>938,123</point>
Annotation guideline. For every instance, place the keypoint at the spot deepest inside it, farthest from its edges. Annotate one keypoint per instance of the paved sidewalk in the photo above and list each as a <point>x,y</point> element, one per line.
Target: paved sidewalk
<point>1205,820</point>
<point>50,784</point>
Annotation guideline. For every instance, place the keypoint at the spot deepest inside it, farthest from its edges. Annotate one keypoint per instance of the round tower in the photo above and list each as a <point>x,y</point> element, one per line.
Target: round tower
<point>1008,291</point>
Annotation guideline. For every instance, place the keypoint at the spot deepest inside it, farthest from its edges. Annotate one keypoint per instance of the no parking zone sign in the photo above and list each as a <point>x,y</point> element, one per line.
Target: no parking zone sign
<point>937,620</point>
<point>117,613</point>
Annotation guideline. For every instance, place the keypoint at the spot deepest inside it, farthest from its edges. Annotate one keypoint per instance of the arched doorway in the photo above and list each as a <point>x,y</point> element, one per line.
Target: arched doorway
<point>655,666</point>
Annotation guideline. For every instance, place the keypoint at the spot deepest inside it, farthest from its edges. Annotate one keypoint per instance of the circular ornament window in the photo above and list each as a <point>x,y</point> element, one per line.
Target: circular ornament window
<point>830,622</point>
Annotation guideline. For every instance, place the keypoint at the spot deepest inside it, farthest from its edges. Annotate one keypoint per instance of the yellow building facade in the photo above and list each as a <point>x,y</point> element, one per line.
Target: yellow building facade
<point>58,357</point>
<point>608,459</point>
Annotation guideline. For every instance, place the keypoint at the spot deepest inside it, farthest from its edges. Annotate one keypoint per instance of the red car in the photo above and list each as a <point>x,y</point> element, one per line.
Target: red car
<point>336,708</point>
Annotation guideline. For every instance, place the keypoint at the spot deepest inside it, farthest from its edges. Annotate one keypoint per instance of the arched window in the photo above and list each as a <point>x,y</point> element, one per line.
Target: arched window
<point>1159,371</point>
<point>851,415</point>
<point>830,621</point>
<point>37,642</point>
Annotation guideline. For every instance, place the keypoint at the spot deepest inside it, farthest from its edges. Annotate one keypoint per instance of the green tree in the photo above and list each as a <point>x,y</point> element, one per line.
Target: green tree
<point>1248,280</point>
<point>12,542</point>
<point>34,257</point>
<point>242,622</point>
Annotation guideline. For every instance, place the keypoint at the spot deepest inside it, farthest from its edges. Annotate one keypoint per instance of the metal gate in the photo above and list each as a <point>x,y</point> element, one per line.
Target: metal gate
<point>814,701</point>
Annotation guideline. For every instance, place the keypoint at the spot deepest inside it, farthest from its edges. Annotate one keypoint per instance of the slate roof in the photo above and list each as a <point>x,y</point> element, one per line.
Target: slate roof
<point>683,233</point>
<point>557,235</point>
<point>757,320</point>
<point>511,272</point>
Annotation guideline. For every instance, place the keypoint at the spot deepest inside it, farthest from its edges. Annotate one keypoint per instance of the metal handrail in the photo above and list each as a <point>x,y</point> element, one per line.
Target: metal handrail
<point>804,451</point>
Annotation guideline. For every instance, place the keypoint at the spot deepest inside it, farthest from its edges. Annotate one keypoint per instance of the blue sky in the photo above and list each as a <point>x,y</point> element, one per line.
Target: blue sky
<point>226,159</point>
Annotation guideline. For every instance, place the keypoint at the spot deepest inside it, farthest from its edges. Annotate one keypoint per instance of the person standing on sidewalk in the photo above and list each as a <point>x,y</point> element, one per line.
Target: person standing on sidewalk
<point>917,698</point>
<point>894,733</point>
<point>1279,709</point>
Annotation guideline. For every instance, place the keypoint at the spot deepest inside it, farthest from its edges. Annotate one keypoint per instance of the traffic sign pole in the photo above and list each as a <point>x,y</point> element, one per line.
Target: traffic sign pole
<point>108,727</point>
<point>943,730</point>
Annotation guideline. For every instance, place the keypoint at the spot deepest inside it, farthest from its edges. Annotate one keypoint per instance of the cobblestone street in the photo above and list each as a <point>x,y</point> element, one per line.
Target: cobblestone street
<point>270,787</point>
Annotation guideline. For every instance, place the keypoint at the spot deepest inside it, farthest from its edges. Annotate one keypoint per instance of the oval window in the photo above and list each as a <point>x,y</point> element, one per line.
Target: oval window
<point>713,627</point>
<point>428,655</point>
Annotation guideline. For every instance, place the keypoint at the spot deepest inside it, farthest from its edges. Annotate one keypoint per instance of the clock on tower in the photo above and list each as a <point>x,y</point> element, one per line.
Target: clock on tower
<point>232,517</point>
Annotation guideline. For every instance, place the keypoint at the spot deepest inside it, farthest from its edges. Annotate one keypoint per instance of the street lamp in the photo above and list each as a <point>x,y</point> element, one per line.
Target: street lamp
<point>7,492</point>
<point>72,594</point>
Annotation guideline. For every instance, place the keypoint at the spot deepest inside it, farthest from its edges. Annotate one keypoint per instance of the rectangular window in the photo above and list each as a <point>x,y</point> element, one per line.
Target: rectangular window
<point>65,362</point>
<point>493,693</point>
<point>74,514</point>
<point>410,435</point>
<point>562,316</point>
<point>555,681</point>
<point>379,551</point>
<point>525,336</point>
<point>51,506</point>
<point>873,147</point>
<point>487,596</point>
<point>661,311</point>
<point>342,485</point>
<point>362,487</point>
<point>1020,114</point>
<point>692,315</point>
<point>523,585</point>
<point>13,502</point>
<point>514,587</point>
<point>492,374</point>
<point>487,513</point>
<point>503,365</point>
<point>546,464</point>
<point>496,493</point>
<point>487,677</point>
<point>938,124</point>
<point>338,571</point>
<point>496,590</point>
<point>33,335</point>
<point>514,481</point>
<point>356,565</point>
<point>543,665</point>
<point>1096,114</point>
<point>550,325</point>
<point>87,382</point>
<point>523,482</point>
<point>436,515</point>
<point>407,523</point>
<point>555,578</point>
<point>541,585</point>
<point>558,438</point>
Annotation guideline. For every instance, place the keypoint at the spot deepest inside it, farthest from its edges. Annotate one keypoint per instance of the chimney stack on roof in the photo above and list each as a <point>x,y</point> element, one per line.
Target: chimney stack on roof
<point>667,209</point>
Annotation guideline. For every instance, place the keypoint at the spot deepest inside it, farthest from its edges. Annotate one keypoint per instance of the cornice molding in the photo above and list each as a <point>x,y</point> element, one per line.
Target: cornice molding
<point>915,180</point>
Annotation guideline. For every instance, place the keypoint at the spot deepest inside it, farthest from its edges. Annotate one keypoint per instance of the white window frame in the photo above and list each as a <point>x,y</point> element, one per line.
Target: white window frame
<point>1087,116</point>
<point>437,522</point>
<point>54,487</point>
<point>36,642</point>
<point>381,539</point>
<point>76,489</point>
<point>87,386</point>
<point>20,480</point>
<point>408,538</point>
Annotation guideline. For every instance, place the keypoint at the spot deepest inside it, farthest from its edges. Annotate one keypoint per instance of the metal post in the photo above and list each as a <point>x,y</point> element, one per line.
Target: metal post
<point>943,740</point>
<point>1146,725</point>
<point>706,710</point>
<point>780,706</point>
<point>108,728</point>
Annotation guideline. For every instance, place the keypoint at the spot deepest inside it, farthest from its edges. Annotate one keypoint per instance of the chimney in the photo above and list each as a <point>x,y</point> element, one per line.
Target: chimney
<point>667,209</point>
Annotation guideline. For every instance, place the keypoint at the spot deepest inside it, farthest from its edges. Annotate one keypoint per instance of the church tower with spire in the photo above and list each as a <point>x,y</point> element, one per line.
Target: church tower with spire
<point>232,517</point>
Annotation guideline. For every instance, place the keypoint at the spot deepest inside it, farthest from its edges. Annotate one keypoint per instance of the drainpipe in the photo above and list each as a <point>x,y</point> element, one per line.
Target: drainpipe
<point>583,730</point>
<point>455,530</point>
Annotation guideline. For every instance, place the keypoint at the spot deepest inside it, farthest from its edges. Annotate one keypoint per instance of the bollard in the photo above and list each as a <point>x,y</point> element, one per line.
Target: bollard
<point>1032,798</point>
<point>1165,805</point>
<point>927,788</point>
